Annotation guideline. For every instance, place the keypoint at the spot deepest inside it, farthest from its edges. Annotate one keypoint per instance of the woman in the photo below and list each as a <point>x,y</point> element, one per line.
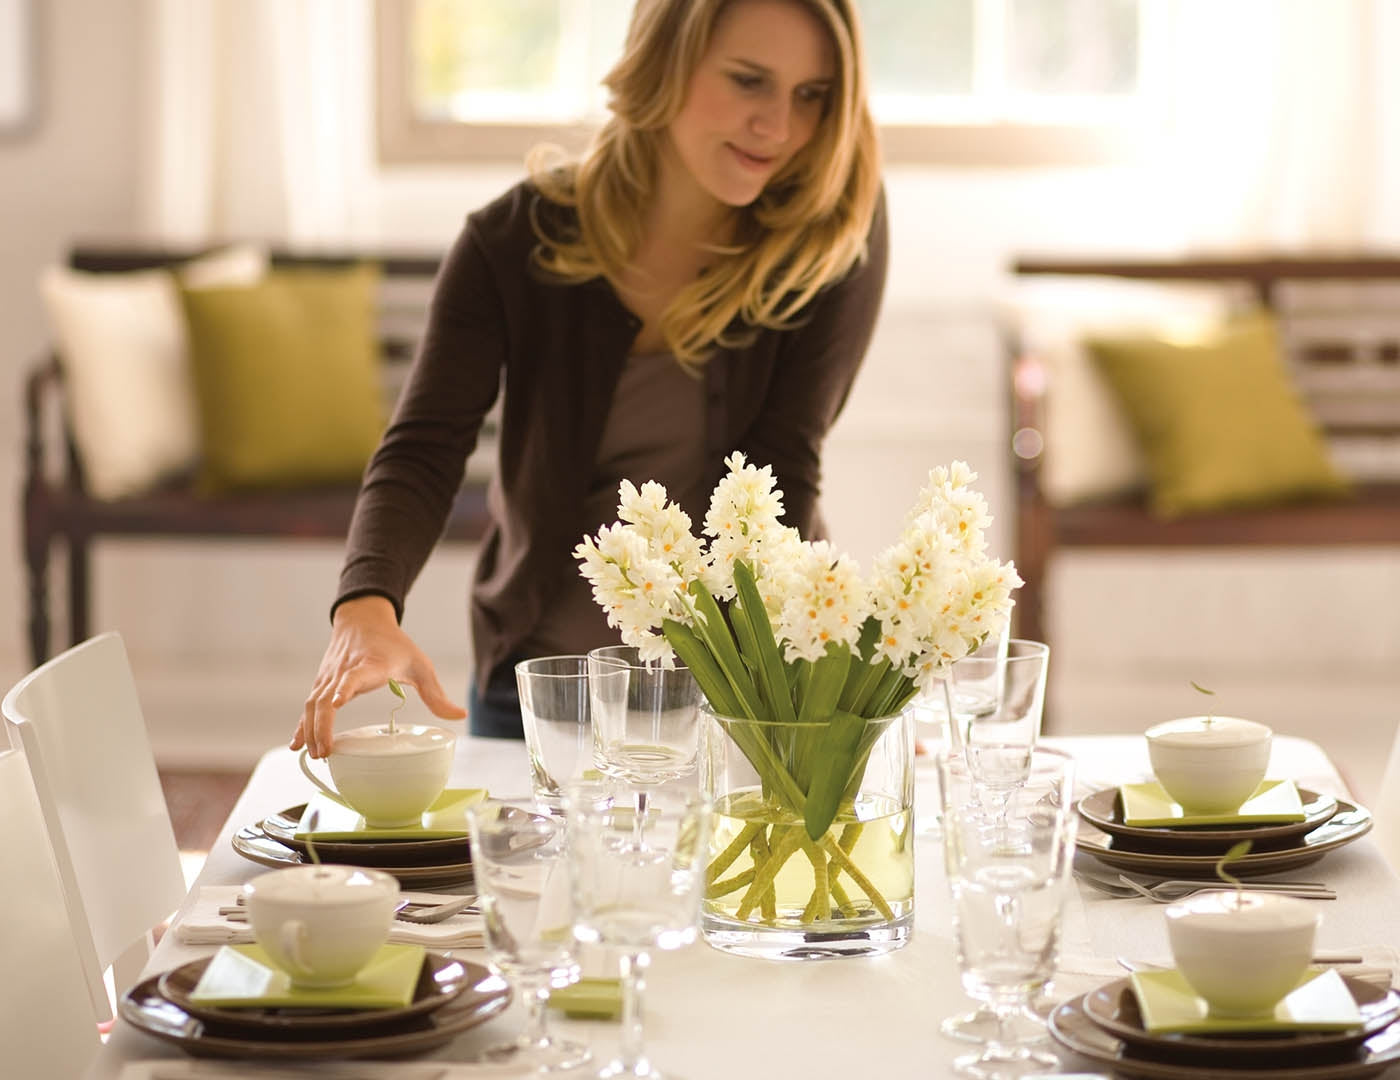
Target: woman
<point>706,279</point>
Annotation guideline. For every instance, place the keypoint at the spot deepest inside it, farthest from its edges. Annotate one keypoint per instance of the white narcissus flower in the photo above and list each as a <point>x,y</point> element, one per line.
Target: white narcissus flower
<point>826,603</point>
<point>636,591</point>
<point>663,524</point>
<point>935,592</point>
<point>743,523</point>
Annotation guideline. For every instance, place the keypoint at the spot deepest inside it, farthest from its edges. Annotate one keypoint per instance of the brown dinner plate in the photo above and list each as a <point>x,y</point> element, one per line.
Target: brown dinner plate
<point>383,854</point>
<point>1104,810</point>
<point>145,1008</point>
<point>1072,1028</point>
<point>253,843</point>
<point>1349,823</point>
<point>440,980</point>
<point>1114,1007</point>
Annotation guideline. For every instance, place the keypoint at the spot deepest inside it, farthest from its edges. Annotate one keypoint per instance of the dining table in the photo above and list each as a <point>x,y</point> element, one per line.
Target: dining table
<point>712,1014</point>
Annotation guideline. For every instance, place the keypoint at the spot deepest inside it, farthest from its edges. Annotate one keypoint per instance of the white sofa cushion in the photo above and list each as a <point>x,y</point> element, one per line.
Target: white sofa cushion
<point>122,342</point>
<point>1090,451</point>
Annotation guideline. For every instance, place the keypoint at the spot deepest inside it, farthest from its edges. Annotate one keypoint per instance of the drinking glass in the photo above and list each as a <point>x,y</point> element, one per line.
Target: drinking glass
<point>975,697</point>
<point>522,882</point>
<point>555,710</point>
<point>995,705</point>
<point>1008,870</point>
<point>647,730</point>
<point>636,898</point>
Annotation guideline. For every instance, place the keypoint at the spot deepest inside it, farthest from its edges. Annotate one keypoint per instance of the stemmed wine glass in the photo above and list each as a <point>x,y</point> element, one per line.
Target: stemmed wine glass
<point>636,897</point>
<point>522,881</point>
<point>646,731</point>
<point>1008,870</point>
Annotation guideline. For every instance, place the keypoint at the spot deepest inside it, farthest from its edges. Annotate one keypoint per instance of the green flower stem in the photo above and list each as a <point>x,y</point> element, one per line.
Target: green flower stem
<point>849,836</point>
<point>714,632</point>
<point>858,691</point>
<point>736,846</point>
<point>768,902</point>
<point>764,646</point>
<point>728,885</point>
<point>819,906</point>
<point>778,855</point>
<point>865,885</point>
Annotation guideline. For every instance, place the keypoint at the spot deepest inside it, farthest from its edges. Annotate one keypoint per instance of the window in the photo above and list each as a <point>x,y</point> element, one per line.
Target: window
<point>973,81</point>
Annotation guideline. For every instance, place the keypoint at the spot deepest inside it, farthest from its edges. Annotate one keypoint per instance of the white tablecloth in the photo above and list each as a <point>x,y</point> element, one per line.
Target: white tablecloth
<point>713,1015</point>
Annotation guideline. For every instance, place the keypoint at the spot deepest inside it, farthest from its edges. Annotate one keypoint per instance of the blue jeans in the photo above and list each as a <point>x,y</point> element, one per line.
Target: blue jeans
<point>495,713</point>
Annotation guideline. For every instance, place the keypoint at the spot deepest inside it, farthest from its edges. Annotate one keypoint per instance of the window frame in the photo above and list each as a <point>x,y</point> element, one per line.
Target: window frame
<point>403,137</point>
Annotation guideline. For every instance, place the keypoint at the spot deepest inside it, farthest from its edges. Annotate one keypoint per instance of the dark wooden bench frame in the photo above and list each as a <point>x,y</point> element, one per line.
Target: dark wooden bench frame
<point>1044,529</point>
<point>58,508</point>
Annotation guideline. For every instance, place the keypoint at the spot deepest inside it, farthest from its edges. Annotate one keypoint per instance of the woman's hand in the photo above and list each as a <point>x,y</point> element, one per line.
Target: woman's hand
<point>366,650</point>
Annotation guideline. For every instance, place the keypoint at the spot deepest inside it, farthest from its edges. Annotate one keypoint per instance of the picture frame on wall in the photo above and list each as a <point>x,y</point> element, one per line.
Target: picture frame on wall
<point>18,77</point>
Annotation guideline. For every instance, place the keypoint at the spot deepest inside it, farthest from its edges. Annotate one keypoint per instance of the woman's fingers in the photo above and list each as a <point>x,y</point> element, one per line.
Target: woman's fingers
<point>433,695</point>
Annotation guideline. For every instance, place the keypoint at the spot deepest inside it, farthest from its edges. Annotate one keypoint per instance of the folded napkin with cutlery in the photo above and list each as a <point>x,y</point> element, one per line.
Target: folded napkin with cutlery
<point>205,926</point>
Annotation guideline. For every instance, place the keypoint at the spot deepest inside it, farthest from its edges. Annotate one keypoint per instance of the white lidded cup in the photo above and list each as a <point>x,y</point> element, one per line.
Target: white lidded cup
<point>1242,952</point>
<point>321,924</point>
<point>1209,764</point>
<point>390,777</point>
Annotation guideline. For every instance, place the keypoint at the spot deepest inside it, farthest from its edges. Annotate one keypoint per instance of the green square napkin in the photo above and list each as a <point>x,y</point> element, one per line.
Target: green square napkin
<point>244,976</point>
<point>1274,802</point>
<point>446,819</point>
<point>1168,1005</point>
<point>589,999</point>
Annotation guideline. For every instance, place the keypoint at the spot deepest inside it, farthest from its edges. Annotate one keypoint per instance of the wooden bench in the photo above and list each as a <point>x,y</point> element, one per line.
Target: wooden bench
<point>1343,339</point>
<point>57,509</point>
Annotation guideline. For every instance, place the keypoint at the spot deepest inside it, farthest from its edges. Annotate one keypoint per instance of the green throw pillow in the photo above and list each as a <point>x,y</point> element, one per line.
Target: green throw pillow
<point>286,375</point>
<point>1219,419</point>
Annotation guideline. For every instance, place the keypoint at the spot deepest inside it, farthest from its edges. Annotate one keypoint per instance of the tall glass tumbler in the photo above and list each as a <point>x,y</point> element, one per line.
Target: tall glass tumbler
<point>556,712</point>
<point>995,707</point>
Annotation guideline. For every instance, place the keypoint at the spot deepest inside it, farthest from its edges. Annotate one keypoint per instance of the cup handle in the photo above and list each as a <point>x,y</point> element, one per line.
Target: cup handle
<point>291,934</point>
<point>326,789</point>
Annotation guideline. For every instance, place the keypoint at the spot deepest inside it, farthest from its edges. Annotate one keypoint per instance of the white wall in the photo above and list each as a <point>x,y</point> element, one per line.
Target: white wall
<point>75,174</point>
<point>225,637</point>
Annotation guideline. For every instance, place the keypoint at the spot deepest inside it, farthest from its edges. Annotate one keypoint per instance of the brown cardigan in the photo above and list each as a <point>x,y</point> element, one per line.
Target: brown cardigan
<point>557,350</point>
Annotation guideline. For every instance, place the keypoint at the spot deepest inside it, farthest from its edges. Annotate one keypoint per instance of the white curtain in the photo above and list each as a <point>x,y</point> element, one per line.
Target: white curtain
<point>260,115</point>
<point>1278,121</point>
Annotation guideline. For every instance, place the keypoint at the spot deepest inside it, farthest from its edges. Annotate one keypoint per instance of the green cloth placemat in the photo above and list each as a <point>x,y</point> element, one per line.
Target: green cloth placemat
<point>1274,802</point>
<point>1168,1005</point>
<point>243,976</point>
<point>589,999</point>
<point>446,819</point>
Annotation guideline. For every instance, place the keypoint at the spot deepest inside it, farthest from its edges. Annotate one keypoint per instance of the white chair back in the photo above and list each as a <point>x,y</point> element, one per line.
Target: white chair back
<point>47,1027</point>
<point>80,726</point>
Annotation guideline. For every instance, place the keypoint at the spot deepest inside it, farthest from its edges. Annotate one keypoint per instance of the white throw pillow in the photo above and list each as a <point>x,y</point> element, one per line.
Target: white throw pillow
<point>122,343</point>
<point>1090,450</point>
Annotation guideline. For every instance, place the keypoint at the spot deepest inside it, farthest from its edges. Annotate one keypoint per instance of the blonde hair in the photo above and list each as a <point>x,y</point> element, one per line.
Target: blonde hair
<point>807,228</point>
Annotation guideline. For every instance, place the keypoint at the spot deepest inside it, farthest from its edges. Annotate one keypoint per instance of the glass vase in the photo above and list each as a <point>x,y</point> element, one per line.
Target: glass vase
<point>774,891</point>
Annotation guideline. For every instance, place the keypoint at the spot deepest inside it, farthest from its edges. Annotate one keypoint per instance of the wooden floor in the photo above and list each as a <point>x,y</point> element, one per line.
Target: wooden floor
<point>199,803</point>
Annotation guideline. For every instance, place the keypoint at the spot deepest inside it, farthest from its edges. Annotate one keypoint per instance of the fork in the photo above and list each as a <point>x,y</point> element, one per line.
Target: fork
<point>1166,892</point>
<point>439,912</point>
